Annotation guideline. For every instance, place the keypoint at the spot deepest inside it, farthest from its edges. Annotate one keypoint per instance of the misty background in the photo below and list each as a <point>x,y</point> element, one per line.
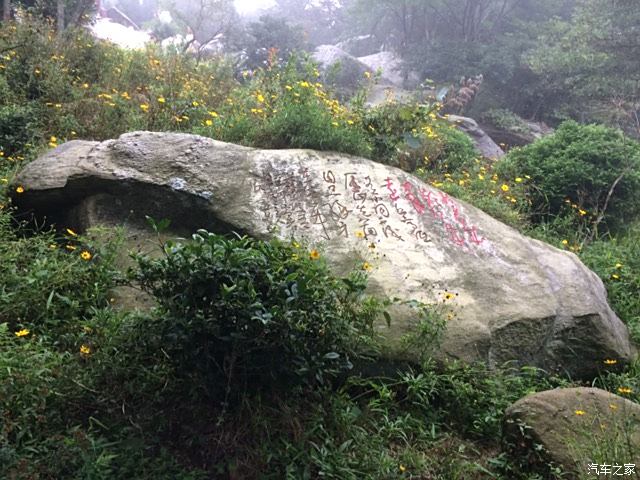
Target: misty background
<point>544,60</point>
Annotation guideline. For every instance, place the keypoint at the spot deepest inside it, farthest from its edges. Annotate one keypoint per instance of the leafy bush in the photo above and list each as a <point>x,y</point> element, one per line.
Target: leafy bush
<point>617,262</point>
<point>285,107</point>
<point>412,136</point>
<point>51,282</point>
<point>236,314</point>
<point>18,127</point>
<point>594,169</point>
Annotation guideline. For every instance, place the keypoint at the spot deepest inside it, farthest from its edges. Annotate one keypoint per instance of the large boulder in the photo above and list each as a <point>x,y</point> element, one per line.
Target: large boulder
<point>391,69</point>
<point>507,297</point>
<point>483,142</point>
<point>340,69</point>
<point>360,46</point>
<point>575,428</point>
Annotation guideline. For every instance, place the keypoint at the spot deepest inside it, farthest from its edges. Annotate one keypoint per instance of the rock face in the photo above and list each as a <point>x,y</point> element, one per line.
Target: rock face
<point>509,297</point>
<point>483,142</point>
<point>391,67</point>
<point>520,133</point>
<point>573,425</point>
<point>360,46</point>
<point>344,71</point>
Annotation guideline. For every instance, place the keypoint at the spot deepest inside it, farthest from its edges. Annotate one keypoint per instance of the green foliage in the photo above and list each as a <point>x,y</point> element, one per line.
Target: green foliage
<point>238,314</point>
<point>594,169</point>
<point>51,282</point>
<point>412,136</point>
<point>76,12</point>
<point>285,107</point>
<point>272,36</point>
<point>617,262</point>
<point>589,63</point>
<point>505,119</point>
<point>18,128</point>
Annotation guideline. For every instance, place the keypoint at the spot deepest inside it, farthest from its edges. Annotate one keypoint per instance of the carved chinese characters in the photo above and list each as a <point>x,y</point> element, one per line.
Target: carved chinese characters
<point>341,204</point>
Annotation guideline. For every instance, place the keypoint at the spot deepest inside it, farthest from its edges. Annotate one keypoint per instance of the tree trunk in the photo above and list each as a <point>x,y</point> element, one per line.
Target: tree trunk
<point>60,16</point>
<point>6,10</point>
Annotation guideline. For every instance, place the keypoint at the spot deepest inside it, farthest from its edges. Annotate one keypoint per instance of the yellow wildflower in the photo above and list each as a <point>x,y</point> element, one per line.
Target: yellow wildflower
<point>71,232</point>
<point>360,234</point>
<point>518,180</point>
<point>22,333</point>
<point>86,255</point>
<point>618,265</point>
<point>208,122</point>
<point>85,350</point>
<point>366,266</point>
<point>19,189</point>
<point>144,107</point>
<point>610,362</point>
<point>625,390</point>
<point>580,412</point>
<point>504,187</point>
<point>565,242</point>
<point>314,254</point>
<point>161,100</point>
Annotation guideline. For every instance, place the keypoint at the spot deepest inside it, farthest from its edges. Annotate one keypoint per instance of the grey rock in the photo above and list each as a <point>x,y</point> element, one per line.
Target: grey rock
<point>360,46</point>
<point>510,298</point>
<point>483,142</point>
<point>392,69</point>
<point>342,70</point>
<point>574,426</point>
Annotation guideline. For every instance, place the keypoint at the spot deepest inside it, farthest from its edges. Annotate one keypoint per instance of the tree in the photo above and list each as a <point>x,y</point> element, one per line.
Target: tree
<point>205,19</point>
<point>593,59</point>
<point>269,35</point>
<point>67,13</point>
<point>6,10</point>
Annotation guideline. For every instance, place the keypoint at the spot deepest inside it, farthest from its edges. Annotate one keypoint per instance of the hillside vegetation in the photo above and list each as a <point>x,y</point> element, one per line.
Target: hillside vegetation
<point>200,388</point>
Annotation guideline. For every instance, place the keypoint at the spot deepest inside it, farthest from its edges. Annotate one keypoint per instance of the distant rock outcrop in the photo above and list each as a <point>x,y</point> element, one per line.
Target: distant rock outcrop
<point>571,426</point>
<point>483,142</point>
<point>506,297</point>
<point>360,46</point>
<point>344,71</point>
<point>392,70</point>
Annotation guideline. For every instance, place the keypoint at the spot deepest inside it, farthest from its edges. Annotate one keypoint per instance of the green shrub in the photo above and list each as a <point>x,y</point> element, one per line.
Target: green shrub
<point>617,262</point>
<point>238,313</point>
<point>51,282</point>
<point>18,127</point>
<point>285,107</point>
<point>412,136</point>
<point>579,167</point>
